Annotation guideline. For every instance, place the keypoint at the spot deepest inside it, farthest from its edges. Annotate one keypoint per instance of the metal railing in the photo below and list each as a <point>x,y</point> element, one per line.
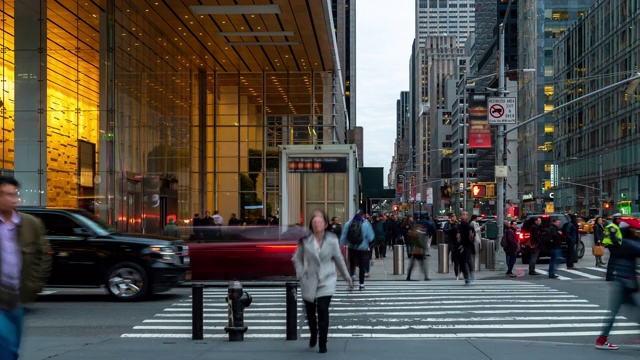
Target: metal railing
<point>197,305</point>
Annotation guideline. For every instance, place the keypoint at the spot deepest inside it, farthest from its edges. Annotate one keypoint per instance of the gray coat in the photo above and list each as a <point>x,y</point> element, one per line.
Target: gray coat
<point>317,270</point>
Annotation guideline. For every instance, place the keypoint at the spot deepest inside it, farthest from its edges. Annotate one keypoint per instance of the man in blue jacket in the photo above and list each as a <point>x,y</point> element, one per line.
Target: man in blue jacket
<point>358,244</point>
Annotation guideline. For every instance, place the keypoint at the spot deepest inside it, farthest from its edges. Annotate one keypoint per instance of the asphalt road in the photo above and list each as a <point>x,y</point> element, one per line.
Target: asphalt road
<point>538,309</point>
<point>81,312</point>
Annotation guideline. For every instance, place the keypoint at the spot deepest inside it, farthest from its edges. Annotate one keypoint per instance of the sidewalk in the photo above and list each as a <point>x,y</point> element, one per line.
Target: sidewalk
<point>352,349</point>
<point>382,269</point>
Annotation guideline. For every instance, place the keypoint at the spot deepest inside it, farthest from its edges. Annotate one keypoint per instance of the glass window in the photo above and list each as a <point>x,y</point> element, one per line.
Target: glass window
<point>314,185</point>
<point>57,224</point>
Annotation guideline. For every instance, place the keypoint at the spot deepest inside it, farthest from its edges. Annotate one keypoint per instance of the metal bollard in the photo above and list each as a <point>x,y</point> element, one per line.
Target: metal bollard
<point>483,251</point>
<point>443,258</point>
<point>476,256</point>
<point>292,310</point>
<point>197,312</point>
<point>439,237</point>
<point>237,299</point>
<point>398,259</point>
<point>491,255</point>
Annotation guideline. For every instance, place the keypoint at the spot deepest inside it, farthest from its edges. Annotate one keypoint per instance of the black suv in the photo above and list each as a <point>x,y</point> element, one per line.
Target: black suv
<point>547,219</point>
<point>87,252</point>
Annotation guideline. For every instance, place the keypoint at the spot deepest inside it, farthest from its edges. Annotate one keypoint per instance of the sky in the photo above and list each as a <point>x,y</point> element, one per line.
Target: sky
<point>384,35</point>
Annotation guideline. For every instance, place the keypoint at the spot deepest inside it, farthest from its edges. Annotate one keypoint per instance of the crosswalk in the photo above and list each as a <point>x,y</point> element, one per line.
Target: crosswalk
<point>581,273</point>
<point>406,310</point>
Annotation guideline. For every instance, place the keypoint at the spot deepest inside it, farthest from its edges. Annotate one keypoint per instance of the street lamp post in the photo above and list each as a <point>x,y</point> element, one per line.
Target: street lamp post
<point>600,181</point>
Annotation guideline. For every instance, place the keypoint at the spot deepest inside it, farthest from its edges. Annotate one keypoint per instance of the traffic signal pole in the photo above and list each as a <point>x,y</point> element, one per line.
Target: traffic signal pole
<point>500,258</point>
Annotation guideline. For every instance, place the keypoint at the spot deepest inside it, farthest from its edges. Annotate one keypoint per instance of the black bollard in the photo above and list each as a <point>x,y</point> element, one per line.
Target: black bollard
<point>197,312</point>
<point>292,311</point>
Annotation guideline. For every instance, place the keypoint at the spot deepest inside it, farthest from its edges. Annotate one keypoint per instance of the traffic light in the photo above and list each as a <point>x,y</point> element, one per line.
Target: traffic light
<point>396,208</point>
<point>478,191</point>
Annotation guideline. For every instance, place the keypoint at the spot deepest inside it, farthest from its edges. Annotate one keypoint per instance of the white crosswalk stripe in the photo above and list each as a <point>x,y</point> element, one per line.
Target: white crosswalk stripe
<point>411,310</point>
<point>593,273</point>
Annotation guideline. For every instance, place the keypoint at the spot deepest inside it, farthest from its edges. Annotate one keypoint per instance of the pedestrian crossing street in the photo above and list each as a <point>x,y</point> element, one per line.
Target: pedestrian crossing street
<point>406,310</point>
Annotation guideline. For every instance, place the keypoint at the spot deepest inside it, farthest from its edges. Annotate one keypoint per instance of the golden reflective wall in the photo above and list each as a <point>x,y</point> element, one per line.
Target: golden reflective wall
<point>155,133</point>
<point>7,85</point>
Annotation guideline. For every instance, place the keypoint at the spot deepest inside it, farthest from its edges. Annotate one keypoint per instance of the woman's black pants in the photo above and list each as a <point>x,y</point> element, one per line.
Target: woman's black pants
<point>321,325</point>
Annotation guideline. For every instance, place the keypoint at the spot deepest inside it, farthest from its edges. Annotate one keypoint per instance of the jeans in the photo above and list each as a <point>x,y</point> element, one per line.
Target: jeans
<point>321,326</point>
<point>360,258</point>
<point>11,322</point>
<point>611,265</point>
<point>619,295</point>
<point>423,265</point>
<point>556,257</point>
<point>533,259</point>
<point>511,261</point>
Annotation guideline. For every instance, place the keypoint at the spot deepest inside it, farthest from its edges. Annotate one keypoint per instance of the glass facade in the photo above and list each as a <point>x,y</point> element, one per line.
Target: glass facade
<point>540,25</point>
<point>104,109</point>
<point>602,132</point>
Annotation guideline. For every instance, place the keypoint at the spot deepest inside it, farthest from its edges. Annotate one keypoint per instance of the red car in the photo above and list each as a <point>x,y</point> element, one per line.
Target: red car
<point>243,252</point>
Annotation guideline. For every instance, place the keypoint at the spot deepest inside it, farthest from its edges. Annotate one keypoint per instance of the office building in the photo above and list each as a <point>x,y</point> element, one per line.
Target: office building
<point>445,18</point>
<point>141,110</point>
<point>540,25</point>
<point>595,142</point>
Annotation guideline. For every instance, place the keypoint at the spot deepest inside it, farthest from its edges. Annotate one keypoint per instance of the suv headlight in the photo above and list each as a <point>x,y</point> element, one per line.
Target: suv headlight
<point>166,253</point>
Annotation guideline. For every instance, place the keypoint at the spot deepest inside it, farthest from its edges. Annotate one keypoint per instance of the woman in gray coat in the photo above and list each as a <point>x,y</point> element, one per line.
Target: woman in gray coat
<point>315,261</point>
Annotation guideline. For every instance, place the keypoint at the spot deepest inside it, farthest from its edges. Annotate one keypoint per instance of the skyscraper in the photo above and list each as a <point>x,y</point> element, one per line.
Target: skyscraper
<point>344,20</point>
<point>540,24</point>
<point>445,17</point>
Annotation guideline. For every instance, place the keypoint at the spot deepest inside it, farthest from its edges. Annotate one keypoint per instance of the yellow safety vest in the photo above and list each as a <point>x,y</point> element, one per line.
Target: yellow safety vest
<point>607,239</point>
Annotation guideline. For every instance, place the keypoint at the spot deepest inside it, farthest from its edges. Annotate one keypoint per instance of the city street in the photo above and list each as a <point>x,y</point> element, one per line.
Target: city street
<point>490,318</point>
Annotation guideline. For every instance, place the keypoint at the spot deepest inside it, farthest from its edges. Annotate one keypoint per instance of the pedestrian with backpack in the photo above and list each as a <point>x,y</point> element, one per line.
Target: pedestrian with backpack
<point>358,237</point>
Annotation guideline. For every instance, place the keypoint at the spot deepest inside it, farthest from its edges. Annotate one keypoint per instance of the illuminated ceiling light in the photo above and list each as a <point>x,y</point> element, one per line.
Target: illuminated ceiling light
<point>263,43</point>
<point>235,9</point>
<point>255,33</point>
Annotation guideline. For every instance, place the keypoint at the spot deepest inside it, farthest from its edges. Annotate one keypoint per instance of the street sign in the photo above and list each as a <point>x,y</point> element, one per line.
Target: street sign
<point>418,196</point>
<point>502,110</point>
<point>430,196</point>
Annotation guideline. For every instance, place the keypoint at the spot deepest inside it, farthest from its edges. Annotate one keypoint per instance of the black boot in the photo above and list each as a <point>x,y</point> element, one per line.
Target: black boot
<point>323,348</point>
<point>313,339</point>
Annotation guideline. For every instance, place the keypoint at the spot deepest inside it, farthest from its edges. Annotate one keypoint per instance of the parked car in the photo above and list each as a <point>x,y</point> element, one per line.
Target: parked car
<point>547,219</point>
<point>243,252</point>
<point>88,253</point>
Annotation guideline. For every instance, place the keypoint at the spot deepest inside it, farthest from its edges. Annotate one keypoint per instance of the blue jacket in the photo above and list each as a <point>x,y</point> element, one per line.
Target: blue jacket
<point>367,234</point>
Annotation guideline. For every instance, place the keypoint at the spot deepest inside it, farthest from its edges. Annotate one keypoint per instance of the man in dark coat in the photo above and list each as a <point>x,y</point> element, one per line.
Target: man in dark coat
<point>511,247</point>
<point>451,230</point>
<point>535,241</point>
<point>554,248</point>
<point>466,235</point>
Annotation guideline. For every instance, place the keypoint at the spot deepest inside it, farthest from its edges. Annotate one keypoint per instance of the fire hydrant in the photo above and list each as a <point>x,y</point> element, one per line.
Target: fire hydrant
<point>237,300</point>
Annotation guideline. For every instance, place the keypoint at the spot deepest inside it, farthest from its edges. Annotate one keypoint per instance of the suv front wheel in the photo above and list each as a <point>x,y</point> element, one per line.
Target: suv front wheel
<point>127,281</point>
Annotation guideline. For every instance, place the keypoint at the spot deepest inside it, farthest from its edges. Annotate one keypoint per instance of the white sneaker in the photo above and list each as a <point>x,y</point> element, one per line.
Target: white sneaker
<point>361,286</point>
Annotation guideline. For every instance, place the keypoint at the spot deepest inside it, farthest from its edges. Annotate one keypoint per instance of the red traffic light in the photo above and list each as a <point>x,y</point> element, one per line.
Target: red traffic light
<point>478,191</point>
